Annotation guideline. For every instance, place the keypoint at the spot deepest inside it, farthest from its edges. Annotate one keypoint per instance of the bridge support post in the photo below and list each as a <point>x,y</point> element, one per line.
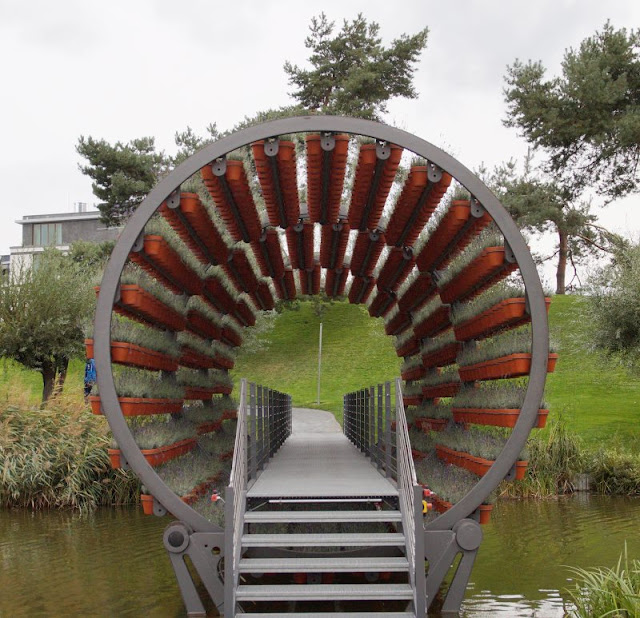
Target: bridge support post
<point>204,549</point>
<point>441,548</point>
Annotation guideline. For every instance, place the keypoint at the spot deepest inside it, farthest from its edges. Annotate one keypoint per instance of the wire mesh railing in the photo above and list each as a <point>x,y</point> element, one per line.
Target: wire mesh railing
<point>264,423</point>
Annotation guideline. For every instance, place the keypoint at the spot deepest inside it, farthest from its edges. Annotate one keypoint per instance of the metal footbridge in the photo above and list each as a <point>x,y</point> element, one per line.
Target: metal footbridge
<point>316,522</point>
<point>332,508</point>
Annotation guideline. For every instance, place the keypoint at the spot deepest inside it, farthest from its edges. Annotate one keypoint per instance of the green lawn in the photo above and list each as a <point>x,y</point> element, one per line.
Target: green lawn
<point>355,353</point>
<point>599,399</point>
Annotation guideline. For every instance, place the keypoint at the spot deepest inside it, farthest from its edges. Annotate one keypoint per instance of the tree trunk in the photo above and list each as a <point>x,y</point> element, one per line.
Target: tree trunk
<point>563,244</point>
<point>48,380</point>
<point>62,365</point>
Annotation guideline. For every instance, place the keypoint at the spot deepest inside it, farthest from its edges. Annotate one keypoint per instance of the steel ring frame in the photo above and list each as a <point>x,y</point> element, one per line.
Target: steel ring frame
<point>110,283</point>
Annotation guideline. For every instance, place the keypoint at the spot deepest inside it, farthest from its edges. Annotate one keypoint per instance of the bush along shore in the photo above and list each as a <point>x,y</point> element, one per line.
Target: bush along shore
<point>56,457</point>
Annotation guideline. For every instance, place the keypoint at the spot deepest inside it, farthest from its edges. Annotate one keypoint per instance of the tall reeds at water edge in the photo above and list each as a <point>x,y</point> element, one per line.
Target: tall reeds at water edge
<point>56,457</point>
<point>604,591</point>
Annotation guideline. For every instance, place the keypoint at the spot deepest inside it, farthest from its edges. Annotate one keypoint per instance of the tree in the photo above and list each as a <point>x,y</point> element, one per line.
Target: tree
<point>587,120</point>
<point>122,174</point>
<point>43,309</point>
<point>541,205</point>
<point>353,73</point>
<point>614,306</point>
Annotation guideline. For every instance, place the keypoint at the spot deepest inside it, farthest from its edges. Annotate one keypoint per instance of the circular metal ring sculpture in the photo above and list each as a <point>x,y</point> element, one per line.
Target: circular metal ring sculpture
<point>330,124</point>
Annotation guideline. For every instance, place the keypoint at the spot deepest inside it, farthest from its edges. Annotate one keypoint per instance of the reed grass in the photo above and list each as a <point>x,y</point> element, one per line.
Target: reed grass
<point>129,331</point>
<point>603,591</point>
<point>133,275</point>
<point>139,383</point>
<point>56,457</point>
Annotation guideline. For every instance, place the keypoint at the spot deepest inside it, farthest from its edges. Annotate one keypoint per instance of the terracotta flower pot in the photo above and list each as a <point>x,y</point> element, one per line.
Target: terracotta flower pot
<point>505,417</point>
<point>136,406</point>
<point>484,513</point>
<point>511,366</point>
<point>134,355</point>
<point>447,389</point>
<point>442,357</point>
<point>147,503</point>
<point>485,270</point>
<point>209,427</point>
<point>432,424</point>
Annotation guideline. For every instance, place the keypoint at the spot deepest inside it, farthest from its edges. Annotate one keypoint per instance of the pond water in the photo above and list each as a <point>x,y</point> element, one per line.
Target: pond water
<point>112,563</point>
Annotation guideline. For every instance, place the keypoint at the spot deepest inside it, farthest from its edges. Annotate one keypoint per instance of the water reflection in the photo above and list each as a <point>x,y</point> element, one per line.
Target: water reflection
<point>112,563</point>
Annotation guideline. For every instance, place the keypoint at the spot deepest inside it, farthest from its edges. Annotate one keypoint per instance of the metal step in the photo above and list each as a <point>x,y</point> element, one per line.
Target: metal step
<point>335,614</point>
<point>323,540</point>
<point>322,592</point>
<point>323,565</point>
<point>321,516</point>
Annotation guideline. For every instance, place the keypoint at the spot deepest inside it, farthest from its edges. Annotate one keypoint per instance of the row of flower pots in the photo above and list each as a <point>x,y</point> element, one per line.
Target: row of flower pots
<point>300,245</point>
<point>510,366</point>
<point>310,281</point>
<point>140,406</point>
<point>234,201</point>
<point>404,225</point>
<point>163,263</point>
<point>445,389</point>
<point>441,506</point>
<point>336,282</point>
<point>135,302</point>
<point>239,271</point>
<point>398,323</point>
<point>199,230</point>
<point>268,253</point>
<point>332,166</point>
<point>156,456</point>
<point>487,269</point>
<point>503,417</point>
<point>382,303</point>
<point>366,251</point>
<point>134,355</point>
<point>477,465</point>
<point>361,288</point>
<point>421,290</point>
<point>446,355</point>
<point>431,325</point>
<point>284,183</point>
<point>447,237</point>
<point>372,184</point>
<point>202,325</point>
<point>333,244</point>
<point>508,313</point>
<point>396,269</point>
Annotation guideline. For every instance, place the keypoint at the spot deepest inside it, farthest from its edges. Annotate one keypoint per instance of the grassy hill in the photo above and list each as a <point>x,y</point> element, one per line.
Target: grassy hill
<point>598,399</point>
<point>355,353</point>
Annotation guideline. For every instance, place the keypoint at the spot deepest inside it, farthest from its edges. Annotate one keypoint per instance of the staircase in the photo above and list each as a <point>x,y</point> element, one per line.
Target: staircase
<point>279,535</point>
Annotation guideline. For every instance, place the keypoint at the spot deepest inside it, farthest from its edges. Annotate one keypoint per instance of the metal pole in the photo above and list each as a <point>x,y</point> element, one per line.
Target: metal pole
<point>319,362</point>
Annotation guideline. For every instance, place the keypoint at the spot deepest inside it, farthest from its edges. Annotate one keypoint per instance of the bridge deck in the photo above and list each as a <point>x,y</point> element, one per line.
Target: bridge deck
<point>320,462</point>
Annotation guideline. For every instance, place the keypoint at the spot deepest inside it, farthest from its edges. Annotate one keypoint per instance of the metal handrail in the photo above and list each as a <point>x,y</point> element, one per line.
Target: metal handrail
<point>236,497</point>
<point>407,482</point>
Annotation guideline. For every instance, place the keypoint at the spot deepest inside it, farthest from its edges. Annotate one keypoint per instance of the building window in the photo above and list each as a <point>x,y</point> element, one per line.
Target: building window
<point>46,234</point>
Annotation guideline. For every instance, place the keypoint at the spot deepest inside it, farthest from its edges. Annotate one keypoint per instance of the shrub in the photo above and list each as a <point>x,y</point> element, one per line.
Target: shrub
<point>437,343</point>
<point>444,376</point>
<point>197,303</point>
<point>496,294</point>
<point>431,410</point>
<point>474,441</point>
<point>57,457</point>
<point>203,379</point>
<point>162,432</point>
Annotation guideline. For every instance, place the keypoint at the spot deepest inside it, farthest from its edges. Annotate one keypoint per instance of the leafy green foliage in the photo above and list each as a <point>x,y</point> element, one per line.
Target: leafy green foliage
<point>44,308</point>
<point>588,119</point>
<point>122,174</point>
<point>57,457</point>
<point>614,307</point>
<point>353,73</point>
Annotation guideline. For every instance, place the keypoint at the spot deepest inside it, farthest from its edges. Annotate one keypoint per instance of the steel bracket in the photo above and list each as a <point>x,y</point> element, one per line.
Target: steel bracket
<point>511,475</point>
<point>173,201</point>
<point>205,550</point>
<point>271,147</point>
<point>158,509</point>
<point>434,173</point>
<point>328,142</point>
<point>383,150</point>
<point>509,256</point>
<point>477,209</point>
<point>219,166</point>
<point>138,245</point>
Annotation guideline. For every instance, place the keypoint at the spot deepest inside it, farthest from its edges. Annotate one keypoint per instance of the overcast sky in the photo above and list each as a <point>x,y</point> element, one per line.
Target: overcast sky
<point>119,70</point>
